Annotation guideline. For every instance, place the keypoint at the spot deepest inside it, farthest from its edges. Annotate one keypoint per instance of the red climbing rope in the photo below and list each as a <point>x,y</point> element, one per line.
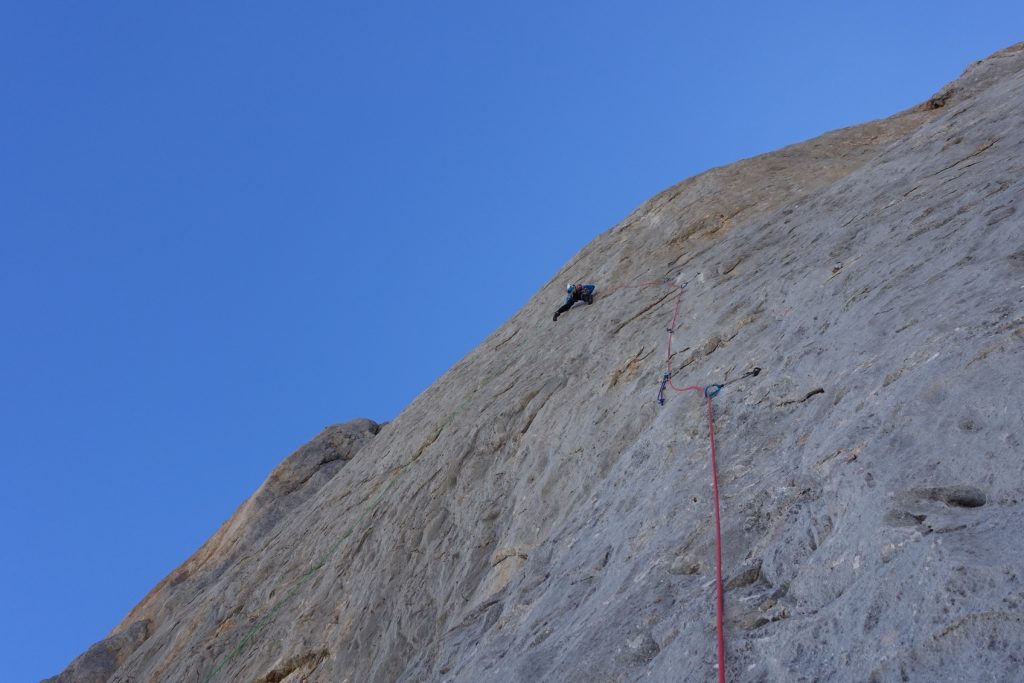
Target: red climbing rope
<point>638,285</point>
<point>718,544</point>
<point>672,332</point>
<point>709,393</point>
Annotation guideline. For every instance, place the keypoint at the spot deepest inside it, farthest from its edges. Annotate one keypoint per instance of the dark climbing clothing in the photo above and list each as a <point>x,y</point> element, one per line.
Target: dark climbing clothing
<point>584,293</point>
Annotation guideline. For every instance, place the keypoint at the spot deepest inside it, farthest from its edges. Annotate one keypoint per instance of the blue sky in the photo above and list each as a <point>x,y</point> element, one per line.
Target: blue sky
<point>227,225</point>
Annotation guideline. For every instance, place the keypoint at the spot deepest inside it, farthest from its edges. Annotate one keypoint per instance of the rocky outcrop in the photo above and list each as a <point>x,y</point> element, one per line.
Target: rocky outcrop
<point>536,515</point>
<point>223,560</point>
<point>99,662</point>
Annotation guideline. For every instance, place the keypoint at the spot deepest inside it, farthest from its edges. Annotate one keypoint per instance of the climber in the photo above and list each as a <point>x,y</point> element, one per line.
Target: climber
<point>576,292</point>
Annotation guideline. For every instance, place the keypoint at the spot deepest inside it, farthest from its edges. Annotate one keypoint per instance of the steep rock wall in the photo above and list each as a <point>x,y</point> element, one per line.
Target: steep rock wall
<point>536,515</point>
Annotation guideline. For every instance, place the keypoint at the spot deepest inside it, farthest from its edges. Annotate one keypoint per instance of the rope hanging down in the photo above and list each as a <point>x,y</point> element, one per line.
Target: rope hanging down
<point>709,391</point>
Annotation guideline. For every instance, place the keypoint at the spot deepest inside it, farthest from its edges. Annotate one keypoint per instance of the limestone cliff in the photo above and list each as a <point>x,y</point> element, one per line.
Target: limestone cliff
<point>536,515</point>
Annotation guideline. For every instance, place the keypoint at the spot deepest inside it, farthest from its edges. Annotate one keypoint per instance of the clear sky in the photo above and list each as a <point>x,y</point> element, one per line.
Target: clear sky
<point>226,225</point>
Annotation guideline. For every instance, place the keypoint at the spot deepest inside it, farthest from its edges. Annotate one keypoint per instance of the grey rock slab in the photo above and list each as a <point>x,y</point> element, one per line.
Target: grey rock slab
<point>535,514</point>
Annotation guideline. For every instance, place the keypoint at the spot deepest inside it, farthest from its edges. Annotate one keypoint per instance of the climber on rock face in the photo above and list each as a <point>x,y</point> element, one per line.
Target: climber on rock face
<point>576,292</point>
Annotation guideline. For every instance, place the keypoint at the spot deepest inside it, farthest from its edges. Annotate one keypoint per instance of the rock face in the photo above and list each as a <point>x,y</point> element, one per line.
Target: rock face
<point>537,515</point>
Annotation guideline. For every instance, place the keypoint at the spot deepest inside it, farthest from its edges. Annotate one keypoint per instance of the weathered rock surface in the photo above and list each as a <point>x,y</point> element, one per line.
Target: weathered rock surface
<point>536,515</point>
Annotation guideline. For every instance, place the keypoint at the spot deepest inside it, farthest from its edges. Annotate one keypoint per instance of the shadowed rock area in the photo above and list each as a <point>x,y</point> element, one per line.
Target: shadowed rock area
<point>536,515</point>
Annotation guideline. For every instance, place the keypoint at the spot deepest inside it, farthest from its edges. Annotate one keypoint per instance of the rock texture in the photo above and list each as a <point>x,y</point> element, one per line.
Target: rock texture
<point>536,515</point>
